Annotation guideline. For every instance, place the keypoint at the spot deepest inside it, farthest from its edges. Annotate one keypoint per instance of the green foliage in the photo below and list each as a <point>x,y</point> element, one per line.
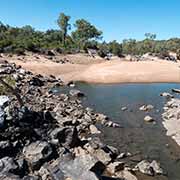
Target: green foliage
<point>115,48</point>
<point>84,33</point>
<point>10,81</point>
<point>63,22</point>
<point>103,49</point>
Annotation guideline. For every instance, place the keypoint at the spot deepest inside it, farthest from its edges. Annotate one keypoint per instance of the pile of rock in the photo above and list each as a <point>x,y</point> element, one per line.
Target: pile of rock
<point>52,136</point>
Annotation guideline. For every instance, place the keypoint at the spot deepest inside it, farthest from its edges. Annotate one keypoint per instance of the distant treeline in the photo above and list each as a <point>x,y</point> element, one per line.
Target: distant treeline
<point>85,36</point>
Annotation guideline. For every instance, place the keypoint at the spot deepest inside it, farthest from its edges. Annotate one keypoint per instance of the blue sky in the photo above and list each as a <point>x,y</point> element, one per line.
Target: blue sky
<point>118,19</point>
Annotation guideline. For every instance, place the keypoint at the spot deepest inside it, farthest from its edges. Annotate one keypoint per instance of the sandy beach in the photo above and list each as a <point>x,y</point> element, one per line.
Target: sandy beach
<point>100,71</point>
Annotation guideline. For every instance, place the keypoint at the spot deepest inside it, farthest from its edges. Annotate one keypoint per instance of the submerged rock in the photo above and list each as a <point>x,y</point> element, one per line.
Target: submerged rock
<point>148,118</point>
<point>76,93</point>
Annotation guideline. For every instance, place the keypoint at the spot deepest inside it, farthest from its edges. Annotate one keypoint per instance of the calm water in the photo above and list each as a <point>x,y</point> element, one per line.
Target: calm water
<point>146,140</point>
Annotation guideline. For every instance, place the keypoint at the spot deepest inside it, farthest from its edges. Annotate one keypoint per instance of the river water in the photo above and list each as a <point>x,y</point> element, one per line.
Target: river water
<point>143,140</point>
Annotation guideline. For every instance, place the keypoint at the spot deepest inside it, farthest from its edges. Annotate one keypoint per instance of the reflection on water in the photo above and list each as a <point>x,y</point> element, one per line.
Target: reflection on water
<point>137,137</point>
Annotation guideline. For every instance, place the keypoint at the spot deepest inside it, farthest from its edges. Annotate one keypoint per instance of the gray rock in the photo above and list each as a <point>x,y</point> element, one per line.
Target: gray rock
<point>145,168</point>
<point>8,165</point>
<point>82,167</point>
<point>146,107</point>
<point>3,103</point>
<point>124,108</point>
<point>103,156</point>
<point>37,153</point>
<point>148,118</point>
<point>76,93</point>
<point>126,175</point>
<point>157,168</point>
<point>67,136</point>
<point>115,167</point>
<point>167,95</point>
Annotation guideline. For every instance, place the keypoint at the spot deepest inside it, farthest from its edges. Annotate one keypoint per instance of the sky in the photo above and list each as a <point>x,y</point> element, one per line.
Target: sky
<point>118,19</point>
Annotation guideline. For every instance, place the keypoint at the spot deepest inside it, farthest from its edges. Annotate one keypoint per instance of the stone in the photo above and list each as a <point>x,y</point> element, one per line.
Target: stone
<point>115,167</point>
<point>8,165</point>
<point>67,136</point>
<point>126,175</point>
<point>124,108</point>
<point>76,93</point>
<point>4,100</point>
<point>5,148</point>
<point>145,168</point>
<point>84,167</point>
<point>102,156</point>
<point>148,118</point>
<point>93,129</point>
<point>157,168</point>
<point>146,107</point>
<point>167,95</point>
<point>37,153</point>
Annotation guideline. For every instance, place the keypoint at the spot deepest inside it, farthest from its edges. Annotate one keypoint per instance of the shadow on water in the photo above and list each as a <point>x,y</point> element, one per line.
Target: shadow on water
<point>145,140</point>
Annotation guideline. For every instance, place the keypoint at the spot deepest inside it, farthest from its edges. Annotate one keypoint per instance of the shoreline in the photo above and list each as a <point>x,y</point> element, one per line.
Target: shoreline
<point>104,72</point>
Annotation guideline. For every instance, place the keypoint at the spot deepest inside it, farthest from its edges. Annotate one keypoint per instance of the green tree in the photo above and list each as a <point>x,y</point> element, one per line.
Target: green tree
<point>85,32</point>
<point>115,48</point>
<point>63,22</point>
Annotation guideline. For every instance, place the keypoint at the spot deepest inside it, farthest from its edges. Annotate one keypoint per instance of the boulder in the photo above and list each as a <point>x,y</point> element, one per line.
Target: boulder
<point>124,108</point>
<point>84,167</point>
<point>145,168</point>
<point>126,175</point>
<point>167,95</point>
<point>4,100</point>
<point>8,165</point>
<point>157,168</point>
<point>115,167</point>
<point>93,129</point>
<point>148,118</point>
<point>146,107</point>
<point>76,93</point>
<point>37,153</point>
<point>66,136</point>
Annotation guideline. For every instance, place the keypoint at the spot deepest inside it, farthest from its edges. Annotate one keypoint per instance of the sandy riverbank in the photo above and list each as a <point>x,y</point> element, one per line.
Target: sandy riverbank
<point>100,71</point>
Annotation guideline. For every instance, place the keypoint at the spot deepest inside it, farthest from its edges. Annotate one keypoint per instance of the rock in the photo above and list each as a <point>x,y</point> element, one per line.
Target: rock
<point>146,107</point>
<point>115,167</point>
<point>5,148</point>
<point>37,153</point>
<point>176,90</point>
<point>124,108</point>
<point>35,81</point>
<point>148,118</point>
<point>93,129</point>
<point>9,176</point>
<point>156,167</point>
<point>4,100</point>
<point>82,167</point>
<point>167,95</point>
<point>76,93</point>
<point>145,168</point>
<point>8,165</point>
<point>102,156</point>
<point>126,175</point>
<point>67,136</point>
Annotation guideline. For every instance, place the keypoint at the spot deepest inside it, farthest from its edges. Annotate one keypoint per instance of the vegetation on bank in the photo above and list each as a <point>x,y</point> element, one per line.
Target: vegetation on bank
<point>83,37</point>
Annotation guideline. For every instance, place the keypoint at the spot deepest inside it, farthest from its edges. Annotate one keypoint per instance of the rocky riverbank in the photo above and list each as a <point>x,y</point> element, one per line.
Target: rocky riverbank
<point>46,136</point>
<point>171,117</point>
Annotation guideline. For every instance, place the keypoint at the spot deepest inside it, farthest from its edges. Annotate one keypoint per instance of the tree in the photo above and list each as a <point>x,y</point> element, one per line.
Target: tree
<point>115,48</point>
<point>85,32</point>
<point>63,22</point>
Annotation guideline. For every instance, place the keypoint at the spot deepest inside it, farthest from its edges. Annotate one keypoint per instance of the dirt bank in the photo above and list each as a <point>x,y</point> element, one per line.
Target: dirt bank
<point>99,71</point>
